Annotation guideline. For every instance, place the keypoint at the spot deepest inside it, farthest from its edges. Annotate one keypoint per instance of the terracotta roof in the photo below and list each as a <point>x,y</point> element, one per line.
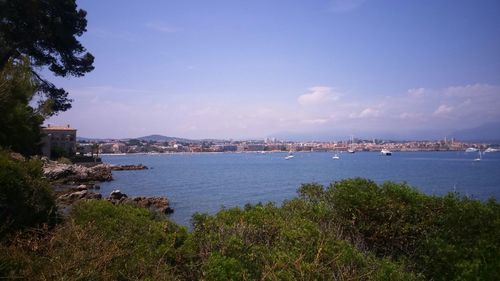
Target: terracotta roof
<point>58,128</point>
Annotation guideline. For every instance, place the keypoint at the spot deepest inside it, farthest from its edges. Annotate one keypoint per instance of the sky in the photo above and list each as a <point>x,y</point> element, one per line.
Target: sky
<point>263,68</point>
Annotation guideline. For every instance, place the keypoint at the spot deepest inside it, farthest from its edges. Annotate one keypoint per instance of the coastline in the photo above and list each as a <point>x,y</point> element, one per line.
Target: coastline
<point>265,152</point>
<point>76,182</point>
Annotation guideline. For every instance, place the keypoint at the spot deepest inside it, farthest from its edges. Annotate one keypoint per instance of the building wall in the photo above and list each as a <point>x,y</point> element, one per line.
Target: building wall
<point>62,137</point>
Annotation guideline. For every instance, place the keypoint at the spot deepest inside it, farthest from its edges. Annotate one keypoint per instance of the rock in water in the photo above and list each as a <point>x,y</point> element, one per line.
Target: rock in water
<point>117,195</point>
<point>128,167</point>
<point>70,198</point>
<point>158,204</point>
<point>77,173</point>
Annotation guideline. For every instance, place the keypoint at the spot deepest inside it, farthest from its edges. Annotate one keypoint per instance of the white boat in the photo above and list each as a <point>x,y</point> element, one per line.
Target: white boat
<point>351,149</point>
<point>489,149</point>
<point>290,156</point>
<point>336,157</point>
<point>471,149</point>
<point>386,152</point>
<point>479,158</point>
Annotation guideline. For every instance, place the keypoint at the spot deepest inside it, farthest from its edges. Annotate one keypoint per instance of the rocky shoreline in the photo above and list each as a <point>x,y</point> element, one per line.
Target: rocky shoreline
<point>74,173</point>
<point>77,173</point>
<point>76,182</point>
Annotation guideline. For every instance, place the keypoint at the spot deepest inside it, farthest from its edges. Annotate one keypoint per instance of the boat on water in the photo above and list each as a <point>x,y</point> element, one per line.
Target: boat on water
<point>471,149</point>
<point>386,152</point>
<point>289,156</point>
<point>350,149</point>
<point>489,149</point>
<point>479,158</point>
<point>336,156</point>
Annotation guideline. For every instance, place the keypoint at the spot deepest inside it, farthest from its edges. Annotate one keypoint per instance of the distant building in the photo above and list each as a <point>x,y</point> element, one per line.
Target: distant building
<point>113,147</point>
<point>58,141</point>
<point>255,147</point>
<point>231,148</point>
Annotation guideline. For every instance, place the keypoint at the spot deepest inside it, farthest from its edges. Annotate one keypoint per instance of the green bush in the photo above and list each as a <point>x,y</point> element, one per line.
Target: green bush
<point>279,243</point>
<point>446,238</point>
<point>25,197</point>
<point>150,242</point>
<point>99,241</point>
<point>353,230</point>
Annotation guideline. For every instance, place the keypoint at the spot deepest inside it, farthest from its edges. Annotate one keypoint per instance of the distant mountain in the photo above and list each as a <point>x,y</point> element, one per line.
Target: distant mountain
<point>161,138</point>
<point>154,138</point>
<point>158,138</point>
<point>489,132</point>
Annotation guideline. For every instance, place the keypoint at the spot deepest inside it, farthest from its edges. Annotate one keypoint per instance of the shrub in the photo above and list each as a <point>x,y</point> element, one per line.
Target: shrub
<point>353,230</point>
<point>272,243</point>
<point>446,238</point>
<point>25,197</point>
<point>99,241</point>
<point>150,242</point>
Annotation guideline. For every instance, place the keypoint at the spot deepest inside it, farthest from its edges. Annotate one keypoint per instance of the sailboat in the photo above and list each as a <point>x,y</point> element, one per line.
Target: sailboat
<point>479,158</point>
<point>350,149</point>
<point>336,156</point>
<point>290,155</point>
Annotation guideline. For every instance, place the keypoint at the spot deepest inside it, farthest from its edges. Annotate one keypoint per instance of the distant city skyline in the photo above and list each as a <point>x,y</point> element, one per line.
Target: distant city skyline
<point>254,69</point>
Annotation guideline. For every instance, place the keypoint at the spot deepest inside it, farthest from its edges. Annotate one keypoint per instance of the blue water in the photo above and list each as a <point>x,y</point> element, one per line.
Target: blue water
<point>206,182</point>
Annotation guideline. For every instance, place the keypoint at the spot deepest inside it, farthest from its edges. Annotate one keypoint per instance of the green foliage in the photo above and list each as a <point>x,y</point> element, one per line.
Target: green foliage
<point>20,123</point>
<point>446,238</point>
<point>465,244</point>
<point>353,230</point>
<point>46,31</point>
<point>57,152</point>
<point>25,198</point>
<point>271,243</point>
<point>148,239</point>
<point>100,241</point>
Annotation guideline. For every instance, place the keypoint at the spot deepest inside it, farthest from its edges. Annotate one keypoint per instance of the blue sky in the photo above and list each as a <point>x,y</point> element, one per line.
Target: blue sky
<point>252,69</point>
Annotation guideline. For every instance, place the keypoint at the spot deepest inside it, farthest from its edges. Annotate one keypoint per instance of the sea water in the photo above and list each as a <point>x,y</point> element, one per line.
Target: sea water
<point>206,182</point>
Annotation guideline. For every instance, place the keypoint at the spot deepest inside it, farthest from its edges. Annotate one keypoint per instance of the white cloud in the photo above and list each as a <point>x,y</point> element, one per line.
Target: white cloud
<point>317,95</point>
<point>366,113</point>
<point>315,121</point>
<point>474,90</point>
<point>417,92</point>
<point>109,111</point>
<point>443,110</point>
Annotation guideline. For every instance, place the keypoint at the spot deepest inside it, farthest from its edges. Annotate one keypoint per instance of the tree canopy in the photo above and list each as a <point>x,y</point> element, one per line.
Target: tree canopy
<point>20,123</point>
<point>46,31</point>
